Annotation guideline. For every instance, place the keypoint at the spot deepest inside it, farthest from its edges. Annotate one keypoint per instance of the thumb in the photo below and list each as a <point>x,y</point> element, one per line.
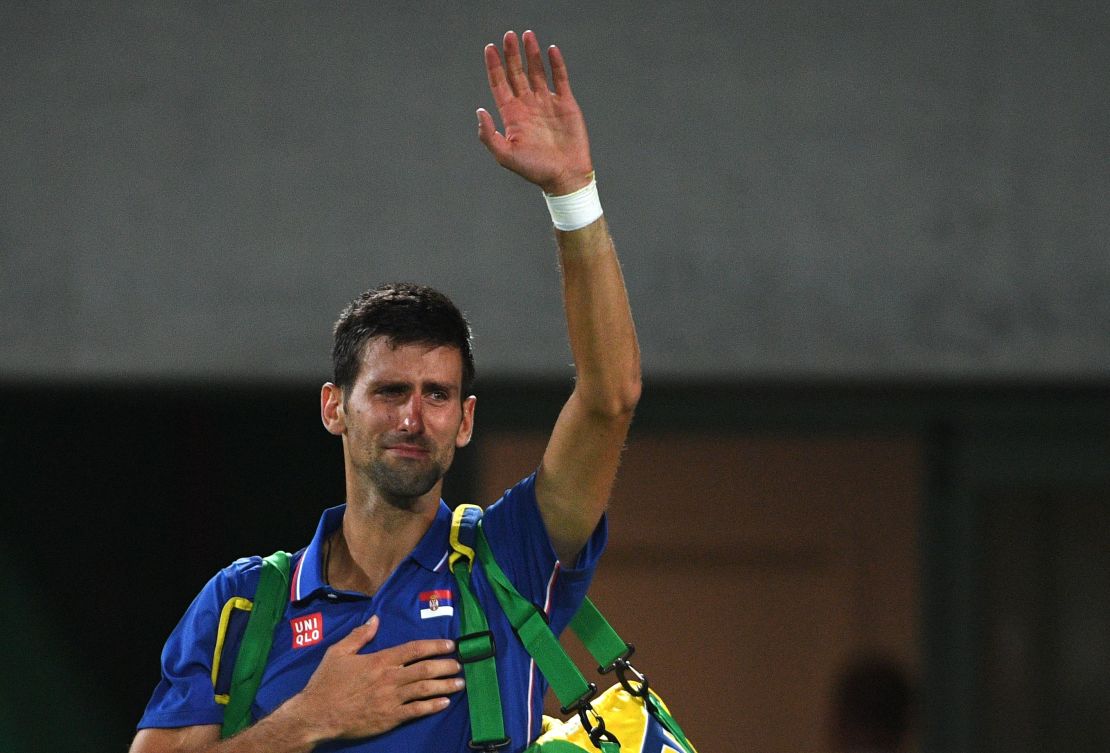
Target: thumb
<point>358,637</point>
<point>488,135</point>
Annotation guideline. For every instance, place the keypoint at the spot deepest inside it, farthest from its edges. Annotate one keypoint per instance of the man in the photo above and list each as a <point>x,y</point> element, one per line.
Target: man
<point>363,659</point>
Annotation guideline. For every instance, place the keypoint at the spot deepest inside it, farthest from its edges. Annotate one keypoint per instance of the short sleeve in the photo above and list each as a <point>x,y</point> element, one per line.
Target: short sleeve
<point>523,549</point>
<point>185,697</point>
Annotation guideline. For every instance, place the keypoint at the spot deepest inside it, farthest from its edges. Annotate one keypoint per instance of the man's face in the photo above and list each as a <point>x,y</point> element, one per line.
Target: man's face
<point>404,417</point>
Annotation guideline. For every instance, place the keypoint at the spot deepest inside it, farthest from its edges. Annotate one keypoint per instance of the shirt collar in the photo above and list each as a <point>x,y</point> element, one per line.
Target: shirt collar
<point>431,551</point>
<point>308,577</point>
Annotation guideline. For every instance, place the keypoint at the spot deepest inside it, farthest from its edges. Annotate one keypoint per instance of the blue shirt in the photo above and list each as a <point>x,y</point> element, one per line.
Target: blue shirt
<point>419,600</point>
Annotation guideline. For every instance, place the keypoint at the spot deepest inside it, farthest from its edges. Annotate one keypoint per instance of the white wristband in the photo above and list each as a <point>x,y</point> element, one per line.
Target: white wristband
<point>575,210</point>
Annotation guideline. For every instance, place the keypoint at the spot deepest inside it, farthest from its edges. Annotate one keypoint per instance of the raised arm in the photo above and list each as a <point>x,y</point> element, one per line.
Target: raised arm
<point>545,142</point>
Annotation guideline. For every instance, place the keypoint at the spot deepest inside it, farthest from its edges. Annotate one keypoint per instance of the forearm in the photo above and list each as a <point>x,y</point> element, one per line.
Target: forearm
<point>599,321</point>
<point>287,730</point>
<point>545,142</point>
<point>580,462</point>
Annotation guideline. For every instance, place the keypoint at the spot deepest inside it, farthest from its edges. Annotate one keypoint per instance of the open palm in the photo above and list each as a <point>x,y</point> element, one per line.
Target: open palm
<point>545,139</point>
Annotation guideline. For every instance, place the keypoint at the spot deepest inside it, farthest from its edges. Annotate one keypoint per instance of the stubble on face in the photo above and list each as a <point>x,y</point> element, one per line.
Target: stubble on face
<point>400,454</point>
<point>402,481</point>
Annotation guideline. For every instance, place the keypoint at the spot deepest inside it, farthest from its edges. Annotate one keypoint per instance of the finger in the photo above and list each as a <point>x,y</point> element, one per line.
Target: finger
<point>537,79</point>
<point>495,74</point>
<point>415,709</point>
<point>559,75</point>
<point>429,669</point>
<point>431,689</point>
<point>514,66</point>
<point>407,653</point>
<point>489,136</point>
<point>357,638</point>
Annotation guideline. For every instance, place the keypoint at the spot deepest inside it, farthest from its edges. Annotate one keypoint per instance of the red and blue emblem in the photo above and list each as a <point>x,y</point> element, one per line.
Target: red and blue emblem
<point>436,604</point>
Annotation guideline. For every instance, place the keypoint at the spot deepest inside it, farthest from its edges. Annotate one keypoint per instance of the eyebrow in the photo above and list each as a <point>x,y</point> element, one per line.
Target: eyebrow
<point>400,383</point>
<point>437,386</point>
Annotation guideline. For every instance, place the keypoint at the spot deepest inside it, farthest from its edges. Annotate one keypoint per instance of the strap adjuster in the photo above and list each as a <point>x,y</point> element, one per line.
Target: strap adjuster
<point>474,647</point>
<point>490,746</point>
<point>620,660</point>
<point>582,702</point>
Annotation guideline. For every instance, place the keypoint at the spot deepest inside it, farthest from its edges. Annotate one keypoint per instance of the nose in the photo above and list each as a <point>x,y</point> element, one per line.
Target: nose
<point>412,416</point>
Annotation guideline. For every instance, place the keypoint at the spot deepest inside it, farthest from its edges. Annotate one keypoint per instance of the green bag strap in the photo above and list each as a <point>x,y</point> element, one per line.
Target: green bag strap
<point>609,650</point>
<point>475,644</point>
<point>568,684</point>
<point>268,606</point>
<point>597,635</point>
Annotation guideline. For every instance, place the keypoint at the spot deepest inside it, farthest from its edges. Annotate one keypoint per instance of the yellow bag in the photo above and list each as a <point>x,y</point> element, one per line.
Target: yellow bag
<point>626,718</point>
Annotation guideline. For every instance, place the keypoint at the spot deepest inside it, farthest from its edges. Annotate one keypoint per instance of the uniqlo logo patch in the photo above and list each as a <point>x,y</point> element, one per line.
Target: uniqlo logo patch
<point>307,630</point>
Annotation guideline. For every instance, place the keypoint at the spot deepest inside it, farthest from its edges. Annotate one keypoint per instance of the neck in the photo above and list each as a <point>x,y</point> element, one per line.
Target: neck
<point>374,538</point>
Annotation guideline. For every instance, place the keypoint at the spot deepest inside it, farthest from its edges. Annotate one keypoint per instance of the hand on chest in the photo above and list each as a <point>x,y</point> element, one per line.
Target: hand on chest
<point>412,608</point>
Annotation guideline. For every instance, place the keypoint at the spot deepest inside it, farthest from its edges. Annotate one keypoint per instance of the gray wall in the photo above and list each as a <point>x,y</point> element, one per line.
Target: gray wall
<point>798,189</point>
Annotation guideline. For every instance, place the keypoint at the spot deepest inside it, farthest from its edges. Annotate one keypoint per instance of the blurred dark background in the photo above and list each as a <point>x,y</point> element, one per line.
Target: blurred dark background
<point>866,249</point>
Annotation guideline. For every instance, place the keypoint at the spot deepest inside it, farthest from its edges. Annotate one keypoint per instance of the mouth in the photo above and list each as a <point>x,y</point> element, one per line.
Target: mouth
<point>413,451</point>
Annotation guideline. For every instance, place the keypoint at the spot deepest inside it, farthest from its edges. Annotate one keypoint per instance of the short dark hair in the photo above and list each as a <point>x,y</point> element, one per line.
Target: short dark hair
<point>404,313</point>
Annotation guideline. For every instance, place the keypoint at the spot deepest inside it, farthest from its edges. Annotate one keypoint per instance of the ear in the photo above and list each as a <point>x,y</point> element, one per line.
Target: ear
<point>466,426</point>
<point>331,409</point>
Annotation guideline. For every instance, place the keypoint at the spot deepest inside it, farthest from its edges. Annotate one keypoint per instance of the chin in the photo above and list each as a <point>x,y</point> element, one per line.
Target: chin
<point>404,487</point>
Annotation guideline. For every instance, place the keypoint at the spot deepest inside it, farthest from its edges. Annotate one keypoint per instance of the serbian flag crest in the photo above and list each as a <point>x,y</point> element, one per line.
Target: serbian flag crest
<point>436,604</point>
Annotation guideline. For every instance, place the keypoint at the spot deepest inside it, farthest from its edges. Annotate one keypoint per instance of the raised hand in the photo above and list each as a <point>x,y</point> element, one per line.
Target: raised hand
<point>545,139</point>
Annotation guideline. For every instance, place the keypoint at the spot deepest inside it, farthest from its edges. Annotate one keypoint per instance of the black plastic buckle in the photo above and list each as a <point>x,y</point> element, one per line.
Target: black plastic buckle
<point>596,731</point>
<point>622,659</point>
<point>622,666</point>
<point>490,746</point>
<point>487,653</point>
<point>582,702</point>
<point>637,676</point>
